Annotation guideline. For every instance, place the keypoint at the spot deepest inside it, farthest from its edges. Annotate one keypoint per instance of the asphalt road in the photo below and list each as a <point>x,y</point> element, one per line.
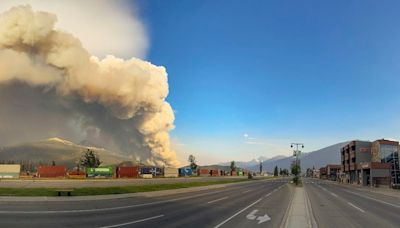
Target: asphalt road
<point>338,205</point>
<point>262,203</point>
<point>241,205</point>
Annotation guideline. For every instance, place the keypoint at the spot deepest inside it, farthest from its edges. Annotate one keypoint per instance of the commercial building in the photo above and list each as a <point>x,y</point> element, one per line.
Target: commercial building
<point>322,172</point>
<point>332,172</point>
<point>370,163</point>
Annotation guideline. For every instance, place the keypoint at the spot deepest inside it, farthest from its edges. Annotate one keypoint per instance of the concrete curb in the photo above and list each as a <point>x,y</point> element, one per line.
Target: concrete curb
<point>285,216</point>
<point>300,213</point>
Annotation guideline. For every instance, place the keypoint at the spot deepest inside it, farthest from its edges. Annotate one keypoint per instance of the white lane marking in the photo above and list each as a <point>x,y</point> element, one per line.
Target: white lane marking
<point>237,213</point>
<point>356,207</point>
<point>248,191</point>
<point>213,201</point>
<point>381,201</point>
<point>334,194</point>
<point>133,222</point>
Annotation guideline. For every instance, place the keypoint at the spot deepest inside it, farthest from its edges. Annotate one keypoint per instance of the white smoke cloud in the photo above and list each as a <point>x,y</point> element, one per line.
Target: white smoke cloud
<point>120,103</point>
<point>104,27</point>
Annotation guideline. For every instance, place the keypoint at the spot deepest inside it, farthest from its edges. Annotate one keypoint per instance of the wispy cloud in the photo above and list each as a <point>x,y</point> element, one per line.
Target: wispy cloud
<point>251,140</point>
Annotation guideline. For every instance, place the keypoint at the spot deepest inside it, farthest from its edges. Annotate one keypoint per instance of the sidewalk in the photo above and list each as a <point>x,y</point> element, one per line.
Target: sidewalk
<point>300,212</point>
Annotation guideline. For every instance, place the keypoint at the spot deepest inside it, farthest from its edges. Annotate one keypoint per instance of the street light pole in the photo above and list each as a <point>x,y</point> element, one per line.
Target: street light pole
<point>297,153</point>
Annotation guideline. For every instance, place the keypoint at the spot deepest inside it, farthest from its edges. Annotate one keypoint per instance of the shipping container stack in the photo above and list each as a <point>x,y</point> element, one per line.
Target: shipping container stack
<point>100,172</point>
<point>52,171</point>
<point>185,172</point>
<point>215,172</point>
<point>154,171</point>
<point>171,172</point>
<point>127,172</point>
<point>203,172</point>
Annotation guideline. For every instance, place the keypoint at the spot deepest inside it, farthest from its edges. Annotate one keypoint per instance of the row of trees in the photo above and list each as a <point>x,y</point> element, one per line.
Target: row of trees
<point>193,163</point>
<point>282,172</point>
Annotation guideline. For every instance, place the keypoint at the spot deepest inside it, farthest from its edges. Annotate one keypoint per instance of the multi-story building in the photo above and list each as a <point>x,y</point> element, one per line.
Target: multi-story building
<point>369,163</point>
<point>354,152</point>
<point>386,151</point>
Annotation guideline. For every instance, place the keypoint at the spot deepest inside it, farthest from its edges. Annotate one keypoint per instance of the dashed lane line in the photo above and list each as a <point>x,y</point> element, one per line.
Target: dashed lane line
<point>133,222</point>
<point>356,207</point>
<point>213,201</point>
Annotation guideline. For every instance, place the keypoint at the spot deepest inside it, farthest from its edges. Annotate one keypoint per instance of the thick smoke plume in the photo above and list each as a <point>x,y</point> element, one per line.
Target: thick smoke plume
<point>51,86</point>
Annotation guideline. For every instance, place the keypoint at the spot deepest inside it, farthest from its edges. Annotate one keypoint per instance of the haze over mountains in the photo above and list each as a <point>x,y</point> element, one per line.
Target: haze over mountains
<point>67,153</point>
<point>61,151</point>
<point>317,159</point>
<point>253,162</point>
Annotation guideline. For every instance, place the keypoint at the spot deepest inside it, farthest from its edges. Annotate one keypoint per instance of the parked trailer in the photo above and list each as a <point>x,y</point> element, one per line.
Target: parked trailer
<point>127,172</point>
<point>183,172</point>
<point>233,173</point>
<point>240,173</point>
<point>10,171</point>
<point>100,172</point>
<point>171,172</point>
<point>52,171</point>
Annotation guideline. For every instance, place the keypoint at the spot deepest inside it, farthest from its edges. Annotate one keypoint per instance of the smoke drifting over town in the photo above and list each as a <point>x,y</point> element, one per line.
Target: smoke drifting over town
<point>50,86</point>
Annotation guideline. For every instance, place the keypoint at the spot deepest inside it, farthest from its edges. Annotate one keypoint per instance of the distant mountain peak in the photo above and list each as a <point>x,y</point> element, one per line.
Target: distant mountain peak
<point>59,140</point>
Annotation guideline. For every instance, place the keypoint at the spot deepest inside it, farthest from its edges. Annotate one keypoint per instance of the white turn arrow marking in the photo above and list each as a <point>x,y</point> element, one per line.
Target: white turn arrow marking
<point>264,218</point>
<point>251,216</point>
<point>260,219</point>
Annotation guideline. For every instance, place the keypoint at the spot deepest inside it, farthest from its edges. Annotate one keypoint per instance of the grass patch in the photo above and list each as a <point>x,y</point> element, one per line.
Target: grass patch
<point>110,190</point>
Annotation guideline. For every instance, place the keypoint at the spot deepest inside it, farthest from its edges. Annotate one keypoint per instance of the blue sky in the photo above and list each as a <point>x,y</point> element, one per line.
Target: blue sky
<point>318,72</point>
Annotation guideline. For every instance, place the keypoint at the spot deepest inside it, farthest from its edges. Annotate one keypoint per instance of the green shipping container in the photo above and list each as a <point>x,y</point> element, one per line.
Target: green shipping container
<point>104,171</point>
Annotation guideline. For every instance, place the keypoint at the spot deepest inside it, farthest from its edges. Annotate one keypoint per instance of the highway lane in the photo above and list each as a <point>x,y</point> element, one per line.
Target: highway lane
<point>342,206</point>
<point>196,209</point>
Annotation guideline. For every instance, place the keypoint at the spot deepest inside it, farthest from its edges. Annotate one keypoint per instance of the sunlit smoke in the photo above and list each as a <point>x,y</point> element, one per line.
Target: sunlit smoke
<point>50,76</point>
